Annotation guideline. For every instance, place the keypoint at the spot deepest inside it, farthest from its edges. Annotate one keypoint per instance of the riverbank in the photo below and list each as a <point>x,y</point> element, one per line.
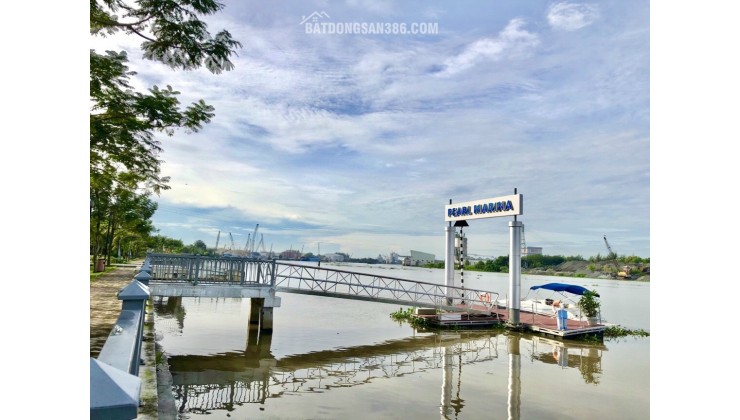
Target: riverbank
<point>586,269</point>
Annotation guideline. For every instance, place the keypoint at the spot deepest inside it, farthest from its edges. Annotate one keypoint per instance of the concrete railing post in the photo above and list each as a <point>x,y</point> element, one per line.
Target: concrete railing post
<point>143,277</point>
<point>114,383</point>
<point>114,394</point>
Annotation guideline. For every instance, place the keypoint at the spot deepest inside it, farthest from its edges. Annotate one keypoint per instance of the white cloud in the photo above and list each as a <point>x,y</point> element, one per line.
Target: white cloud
<point>512,40</point>
<point>357,141</point>
<point>572,16</point>
<point>377,6</point>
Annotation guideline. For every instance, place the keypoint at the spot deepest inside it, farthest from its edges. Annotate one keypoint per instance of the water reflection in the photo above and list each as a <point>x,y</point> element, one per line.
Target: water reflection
<point>170,308</point>
<point>224,381</point>
<point>515,374</point>
<point>586,358</point>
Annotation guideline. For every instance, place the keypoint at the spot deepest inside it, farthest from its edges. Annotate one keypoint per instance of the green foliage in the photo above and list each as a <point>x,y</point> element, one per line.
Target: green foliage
<point>589,304</point>
<point>159,358</point>
<point>614,258</point>
<point>197,248</point>
<point>96,276</point>
<point>407,315</point>
<point>164,244</point>
<point>436,264</point>
<point>619,331</point>
<point>171,31</point>
<point>547,263</point>
<point>498,265</point>
<point>538,261</point>
<point>402,314</point>
<point>124,150</point>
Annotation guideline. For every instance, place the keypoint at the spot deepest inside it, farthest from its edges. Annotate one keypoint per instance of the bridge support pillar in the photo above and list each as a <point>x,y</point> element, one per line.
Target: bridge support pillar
<point>266,320</point>
<point>255,312</point>
<point>260,317</point>
<point>253,337</point>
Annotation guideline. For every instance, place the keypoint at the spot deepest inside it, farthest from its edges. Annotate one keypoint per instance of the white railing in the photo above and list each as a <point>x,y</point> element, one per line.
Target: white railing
<point>297,278</point>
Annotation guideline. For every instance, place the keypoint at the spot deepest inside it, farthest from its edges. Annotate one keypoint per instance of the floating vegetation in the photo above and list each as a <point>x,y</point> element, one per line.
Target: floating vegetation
<point>619,331</point>
<point>402,314</point>
<point>407,315</point>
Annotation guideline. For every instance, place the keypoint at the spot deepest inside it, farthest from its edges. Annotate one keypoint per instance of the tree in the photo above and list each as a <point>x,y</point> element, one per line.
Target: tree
<point>122,121</point>
<point>118,212</point>
<point>124,152</point>
<point>200,246</point>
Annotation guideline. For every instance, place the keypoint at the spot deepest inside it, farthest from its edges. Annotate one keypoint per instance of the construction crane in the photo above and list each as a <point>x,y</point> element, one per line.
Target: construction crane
<point>261,245</point>
<point>231,237</point>
<point>622,272</point>
<point>250,242</point>
<point>612,254</point>
<point>246,246</point>
<point>217,238</point>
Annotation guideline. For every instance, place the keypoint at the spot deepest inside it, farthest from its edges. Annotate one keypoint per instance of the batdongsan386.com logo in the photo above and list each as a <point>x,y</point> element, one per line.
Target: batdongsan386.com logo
<point>321,23</point>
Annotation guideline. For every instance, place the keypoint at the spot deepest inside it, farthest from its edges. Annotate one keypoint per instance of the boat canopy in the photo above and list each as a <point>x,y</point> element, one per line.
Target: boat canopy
<point>562,287</point>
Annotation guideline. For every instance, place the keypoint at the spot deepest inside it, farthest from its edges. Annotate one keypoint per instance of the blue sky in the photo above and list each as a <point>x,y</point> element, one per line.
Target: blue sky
<point>358,141</point>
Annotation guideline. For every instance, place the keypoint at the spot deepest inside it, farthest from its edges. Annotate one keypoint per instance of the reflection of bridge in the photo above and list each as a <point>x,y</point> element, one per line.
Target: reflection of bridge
<point>206,383</point>
<point>195,276</point>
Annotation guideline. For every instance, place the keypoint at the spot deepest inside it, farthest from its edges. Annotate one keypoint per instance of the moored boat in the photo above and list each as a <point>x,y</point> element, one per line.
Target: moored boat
<point>561,296</point>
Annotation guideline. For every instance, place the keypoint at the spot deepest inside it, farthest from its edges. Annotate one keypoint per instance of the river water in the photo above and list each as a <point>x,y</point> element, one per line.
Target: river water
<point>331,358</point>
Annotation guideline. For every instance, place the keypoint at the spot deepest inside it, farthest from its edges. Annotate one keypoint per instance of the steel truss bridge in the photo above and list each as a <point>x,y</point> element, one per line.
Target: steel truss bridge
<point>313,280</point>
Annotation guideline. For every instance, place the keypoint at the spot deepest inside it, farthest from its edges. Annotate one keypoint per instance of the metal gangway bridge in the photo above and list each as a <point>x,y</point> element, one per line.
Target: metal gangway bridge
<point>198,276</point>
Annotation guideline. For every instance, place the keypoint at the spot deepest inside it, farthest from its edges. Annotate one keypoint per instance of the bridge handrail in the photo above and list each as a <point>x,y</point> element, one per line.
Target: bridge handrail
<point>364,274</point>
<point>436,294</point>
<point>279,274</point>
<point>201,269</point>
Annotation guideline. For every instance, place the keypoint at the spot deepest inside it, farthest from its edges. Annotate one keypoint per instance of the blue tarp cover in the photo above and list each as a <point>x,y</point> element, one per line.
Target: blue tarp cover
<point>562,287</point>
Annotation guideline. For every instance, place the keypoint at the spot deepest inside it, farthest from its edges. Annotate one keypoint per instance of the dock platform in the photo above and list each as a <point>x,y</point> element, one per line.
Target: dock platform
<point>544,324</point>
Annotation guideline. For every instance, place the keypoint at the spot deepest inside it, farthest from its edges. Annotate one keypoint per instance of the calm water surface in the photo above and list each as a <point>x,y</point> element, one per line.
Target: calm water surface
<point>336,359</point>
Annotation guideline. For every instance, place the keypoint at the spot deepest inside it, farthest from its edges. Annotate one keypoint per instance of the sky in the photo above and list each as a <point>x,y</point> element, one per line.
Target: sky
<point>412,122</point>
<point>355,142</point>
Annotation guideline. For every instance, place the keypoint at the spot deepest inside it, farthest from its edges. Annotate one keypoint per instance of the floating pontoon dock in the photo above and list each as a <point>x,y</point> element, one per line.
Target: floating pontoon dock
<point>528,321</point>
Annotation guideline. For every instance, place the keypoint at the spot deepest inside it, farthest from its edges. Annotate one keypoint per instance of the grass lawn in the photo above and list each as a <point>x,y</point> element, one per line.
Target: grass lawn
<point>96,276</point>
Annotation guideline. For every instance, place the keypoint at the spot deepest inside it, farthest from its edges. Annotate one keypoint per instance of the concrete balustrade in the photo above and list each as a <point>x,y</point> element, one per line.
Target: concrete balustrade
<point>114,383</point>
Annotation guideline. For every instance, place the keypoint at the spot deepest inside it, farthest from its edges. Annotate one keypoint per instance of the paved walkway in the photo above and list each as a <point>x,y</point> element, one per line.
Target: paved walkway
<point>105,306</point>
<point>104,310</point>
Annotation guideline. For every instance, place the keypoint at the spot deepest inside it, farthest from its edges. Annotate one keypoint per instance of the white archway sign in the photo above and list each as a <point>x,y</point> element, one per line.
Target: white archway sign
<point>509,205</point>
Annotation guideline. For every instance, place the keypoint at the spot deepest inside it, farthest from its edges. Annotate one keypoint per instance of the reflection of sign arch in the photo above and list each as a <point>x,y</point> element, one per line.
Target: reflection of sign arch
<point>509,205</point>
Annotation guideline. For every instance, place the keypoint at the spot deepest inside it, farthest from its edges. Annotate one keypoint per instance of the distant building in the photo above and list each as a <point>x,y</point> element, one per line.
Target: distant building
<point>531,250</point>
<point>333,257</point>
<point>395,258</point>
<point>420,258</point>
<point>290,255</point>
